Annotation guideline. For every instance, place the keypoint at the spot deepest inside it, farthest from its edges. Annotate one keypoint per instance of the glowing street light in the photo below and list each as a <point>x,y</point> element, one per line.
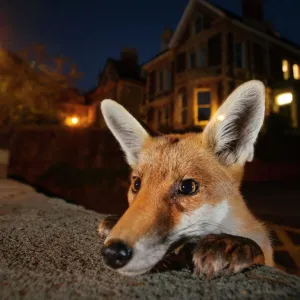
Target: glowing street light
<point>74,120</point>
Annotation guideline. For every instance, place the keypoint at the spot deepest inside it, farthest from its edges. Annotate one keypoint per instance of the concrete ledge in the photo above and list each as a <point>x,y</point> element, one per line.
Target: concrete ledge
<point>50,250</point>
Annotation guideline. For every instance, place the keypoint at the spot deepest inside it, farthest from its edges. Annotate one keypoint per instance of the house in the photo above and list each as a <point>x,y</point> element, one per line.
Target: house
<point>122,81</point>
<point>211,52</point>
<point>73,110</point>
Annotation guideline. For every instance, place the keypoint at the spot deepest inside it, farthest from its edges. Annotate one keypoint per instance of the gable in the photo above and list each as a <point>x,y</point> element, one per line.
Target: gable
<point>197,12</point>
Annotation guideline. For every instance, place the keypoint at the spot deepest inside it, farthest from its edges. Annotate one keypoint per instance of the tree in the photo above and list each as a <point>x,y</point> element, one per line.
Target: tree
<point>31,83</point>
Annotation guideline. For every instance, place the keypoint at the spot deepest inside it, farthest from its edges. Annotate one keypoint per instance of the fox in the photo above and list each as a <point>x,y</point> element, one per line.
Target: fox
<point>187,187</point>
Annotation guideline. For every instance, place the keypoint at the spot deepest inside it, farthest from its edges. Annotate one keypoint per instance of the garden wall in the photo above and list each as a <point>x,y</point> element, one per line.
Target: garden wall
<point>86,166</point>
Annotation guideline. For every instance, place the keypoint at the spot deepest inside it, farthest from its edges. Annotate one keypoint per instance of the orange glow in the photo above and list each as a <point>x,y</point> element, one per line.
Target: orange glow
<point>72,121</point>
<point>285,69</point>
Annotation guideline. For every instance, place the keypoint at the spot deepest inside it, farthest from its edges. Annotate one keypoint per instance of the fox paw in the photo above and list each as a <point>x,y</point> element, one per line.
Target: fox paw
<point>231,254</point>
<point>106,225</point>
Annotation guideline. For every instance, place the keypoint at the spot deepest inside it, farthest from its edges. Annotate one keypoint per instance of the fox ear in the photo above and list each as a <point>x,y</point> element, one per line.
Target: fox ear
<point>233,130</point>
<point>126,129</point>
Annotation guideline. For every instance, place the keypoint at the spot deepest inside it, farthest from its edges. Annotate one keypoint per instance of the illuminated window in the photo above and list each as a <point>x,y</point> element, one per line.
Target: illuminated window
<point>296,71</point>
<point>285,69</point>
<point>284,99</point>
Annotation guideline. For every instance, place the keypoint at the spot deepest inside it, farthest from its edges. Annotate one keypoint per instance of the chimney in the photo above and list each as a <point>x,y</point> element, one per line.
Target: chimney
<point>165,38</point>
<point>129,55</point>
<point>253,9</point>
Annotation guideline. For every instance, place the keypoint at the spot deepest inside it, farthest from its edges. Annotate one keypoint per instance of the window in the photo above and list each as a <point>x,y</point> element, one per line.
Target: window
<point>152,84</point>
<point>164,115</point>
<point>285,69</point>
<point>192,60</point>
<point>284,99</point>
<point>207,21</point>
<point>215,50</point>
<point>159,116</point>
<point>286,107</point>
<point>230,53</point>
<point>181,62</point>
<point>259,58</point>
<point>220,91</point>
<point>202,60</point>
<point>239,55</point>
<point>167,113</point>
<point>296,71</point>
<point>203,106</point>
<point>198,24</point>
<point>167,80</point>
<point>183,104</point>
<point>160,81</point>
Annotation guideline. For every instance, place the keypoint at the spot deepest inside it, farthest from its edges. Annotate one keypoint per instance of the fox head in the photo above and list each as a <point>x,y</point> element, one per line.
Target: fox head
<point>182,185</point>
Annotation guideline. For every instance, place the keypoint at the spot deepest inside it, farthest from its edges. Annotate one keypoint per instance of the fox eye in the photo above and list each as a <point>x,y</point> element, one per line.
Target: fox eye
<point>188,187</point>
<point>136,184</point>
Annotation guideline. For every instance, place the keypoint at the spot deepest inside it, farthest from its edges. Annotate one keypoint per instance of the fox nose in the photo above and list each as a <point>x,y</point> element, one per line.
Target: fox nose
<point>116,254</point>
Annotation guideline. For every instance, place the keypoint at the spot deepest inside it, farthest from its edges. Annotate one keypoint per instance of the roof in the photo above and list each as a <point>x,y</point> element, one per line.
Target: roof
<point>237,20</point>
<point>156,56</point>
<point>125,71</point>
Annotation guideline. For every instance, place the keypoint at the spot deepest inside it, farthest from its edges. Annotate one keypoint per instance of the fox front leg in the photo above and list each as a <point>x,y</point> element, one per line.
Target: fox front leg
<point>223,252</point>
<point>106,225</point>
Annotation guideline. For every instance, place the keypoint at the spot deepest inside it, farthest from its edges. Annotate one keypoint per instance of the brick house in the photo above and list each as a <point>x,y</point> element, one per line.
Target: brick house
<point>121,81</point>
<point>211,52</point>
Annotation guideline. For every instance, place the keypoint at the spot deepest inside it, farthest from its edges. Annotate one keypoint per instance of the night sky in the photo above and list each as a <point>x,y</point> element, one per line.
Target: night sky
<point>90,31</point>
